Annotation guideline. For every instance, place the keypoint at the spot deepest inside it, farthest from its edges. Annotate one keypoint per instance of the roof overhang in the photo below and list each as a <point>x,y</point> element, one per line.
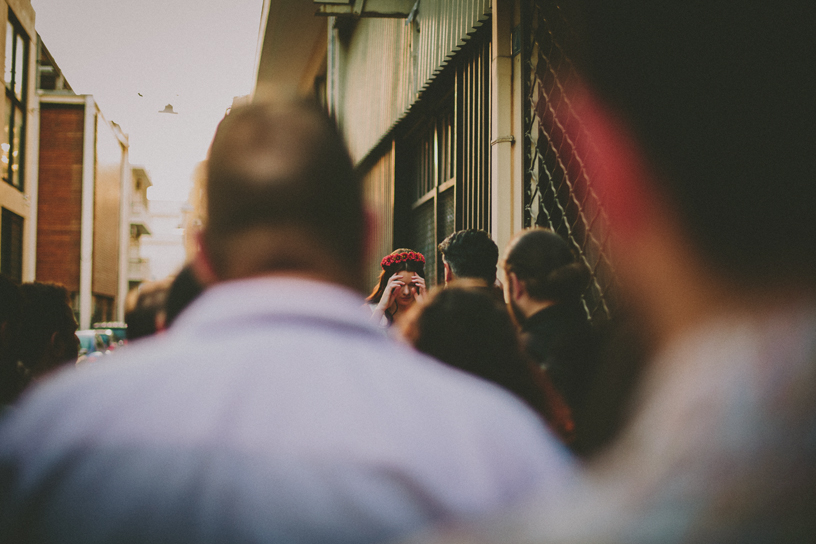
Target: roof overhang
<point>292,47</point>
<point>366,8</point>
<point>293,39</point>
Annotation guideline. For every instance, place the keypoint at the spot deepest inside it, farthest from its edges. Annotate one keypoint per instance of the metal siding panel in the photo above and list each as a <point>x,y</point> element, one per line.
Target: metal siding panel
<point>473,80</point>
<point>378,186</point>
<point>382,77</point>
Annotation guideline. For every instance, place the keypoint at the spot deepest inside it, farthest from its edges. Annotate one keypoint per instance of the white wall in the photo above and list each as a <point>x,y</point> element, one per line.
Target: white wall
<point>164,247</point>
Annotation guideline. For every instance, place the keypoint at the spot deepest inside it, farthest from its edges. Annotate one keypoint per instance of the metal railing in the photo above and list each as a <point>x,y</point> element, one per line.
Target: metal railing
<point>558,191</point>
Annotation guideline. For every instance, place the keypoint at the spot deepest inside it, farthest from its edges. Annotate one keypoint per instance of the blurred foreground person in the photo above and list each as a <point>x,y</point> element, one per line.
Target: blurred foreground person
<point>273,410</point>
<point>47,339</point>
<point>464,326</point>
<point>702,122</point>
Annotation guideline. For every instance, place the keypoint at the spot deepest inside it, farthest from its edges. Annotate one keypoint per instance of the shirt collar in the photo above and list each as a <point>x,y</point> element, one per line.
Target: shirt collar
<point>270,296</point>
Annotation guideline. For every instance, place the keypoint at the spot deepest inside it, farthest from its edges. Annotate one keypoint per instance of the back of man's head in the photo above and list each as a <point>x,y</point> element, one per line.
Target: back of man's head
<point>183,290</point>
<point>719,95</point>
<point>48,329</point>
<point>282,196</point>
<point>471,253</point>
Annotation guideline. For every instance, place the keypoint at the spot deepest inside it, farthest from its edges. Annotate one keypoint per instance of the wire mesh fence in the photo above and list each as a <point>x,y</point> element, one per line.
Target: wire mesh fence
<point>558,192</point>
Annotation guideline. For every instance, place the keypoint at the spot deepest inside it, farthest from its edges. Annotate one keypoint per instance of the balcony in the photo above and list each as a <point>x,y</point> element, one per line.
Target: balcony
<point>139,220</point>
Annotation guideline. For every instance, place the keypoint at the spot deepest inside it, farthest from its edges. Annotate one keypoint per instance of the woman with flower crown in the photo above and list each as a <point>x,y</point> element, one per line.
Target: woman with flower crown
<point>401,283</point>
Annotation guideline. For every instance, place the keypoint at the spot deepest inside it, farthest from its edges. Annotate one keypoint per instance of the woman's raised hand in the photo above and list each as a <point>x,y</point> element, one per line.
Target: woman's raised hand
<point>419,282</point>
<point>389,293</point>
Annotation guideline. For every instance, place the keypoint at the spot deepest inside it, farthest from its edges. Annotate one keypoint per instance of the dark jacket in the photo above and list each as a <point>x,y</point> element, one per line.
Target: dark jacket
<point>561,339</point>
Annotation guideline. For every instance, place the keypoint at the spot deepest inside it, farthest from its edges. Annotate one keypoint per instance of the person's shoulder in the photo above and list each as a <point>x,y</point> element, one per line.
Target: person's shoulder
<point>477,418</point>
<point>476,401</point>
<point>77,388</point>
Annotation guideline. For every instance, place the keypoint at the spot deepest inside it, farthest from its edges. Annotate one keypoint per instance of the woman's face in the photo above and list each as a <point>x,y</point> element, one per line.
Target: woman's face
<point>406,294</point>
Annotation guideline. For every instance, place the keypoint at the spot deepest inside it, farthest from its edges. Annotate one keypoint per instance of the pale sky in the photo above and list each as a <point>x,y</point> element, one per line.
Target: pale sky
<point>194,54</point>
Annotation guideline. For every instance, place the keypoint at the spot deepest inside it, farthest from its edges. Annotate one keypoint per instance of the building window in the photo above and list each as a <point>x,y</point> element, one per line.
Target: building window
<point>16,79</point>
<point>443,161</point>
<point>429,169</point>
<point>11,245</point>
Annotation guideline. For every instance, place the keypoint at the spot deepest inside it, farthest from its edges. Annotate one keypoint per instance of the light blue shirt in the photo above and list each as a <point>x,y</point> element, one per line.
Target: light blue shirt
<point>273,411</point>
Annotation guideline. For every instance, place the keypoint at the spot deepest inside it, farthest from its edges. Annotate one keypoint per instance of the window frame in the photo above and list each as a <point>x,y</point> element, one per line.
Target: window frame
<point>16,102</point>
<point>443,176</point>
<point>11,246</point>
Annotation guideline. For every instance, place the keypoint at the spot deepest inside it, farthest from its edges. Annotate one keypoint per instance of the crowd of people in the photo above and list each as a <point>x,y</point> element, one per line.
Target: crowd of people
<point>280,405</point>
<point>38,328</point>
<point>466,325</point>
<point>545,354</point>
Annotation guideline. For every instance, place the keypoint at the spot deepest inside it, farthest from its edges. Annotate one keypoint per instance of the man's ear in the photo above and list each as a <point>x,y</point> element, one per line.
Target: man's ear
<point>201,263</point>
<point>515,287</point>
<point>448,272</point>
<point>54,344</point>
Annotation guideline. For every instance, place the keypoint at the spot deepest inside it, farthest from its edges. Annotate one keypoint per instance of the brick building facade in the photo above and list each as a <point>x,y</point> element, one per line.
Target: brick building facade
<point>83,171</point>
<point>60,198</point>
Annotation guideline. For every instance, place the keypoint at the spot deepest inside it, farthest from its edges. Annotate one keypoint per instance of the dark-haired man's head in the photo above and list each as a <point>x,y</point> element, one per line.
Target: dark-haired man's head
<point>466,327</point>
<point>145,309</point>
<point>283,196</point>
<point>701,150</point>
<point>541,270</point>
<point>47,337</point>
<point>470,254</point>
<point>183,290</point>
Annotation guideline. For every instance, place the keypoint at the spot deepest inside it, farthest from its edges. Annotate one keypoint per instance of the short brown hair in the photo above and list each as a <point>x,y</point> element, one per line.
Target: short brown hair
<point>545,263</point>
<point>283,168</point>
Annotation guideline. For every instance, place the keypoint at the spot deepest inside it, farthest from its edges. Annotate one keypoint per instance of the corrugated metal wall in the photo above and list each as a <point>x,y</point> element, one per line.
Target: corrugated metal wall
<point>378,187</point>
<point>473,95</point>
<point>385,64</point>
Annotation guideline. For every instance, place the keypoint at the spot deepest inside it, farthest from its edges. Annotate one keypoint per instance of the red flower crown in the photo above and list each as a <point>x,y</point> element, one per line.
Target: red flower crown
<point>415,256</point>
